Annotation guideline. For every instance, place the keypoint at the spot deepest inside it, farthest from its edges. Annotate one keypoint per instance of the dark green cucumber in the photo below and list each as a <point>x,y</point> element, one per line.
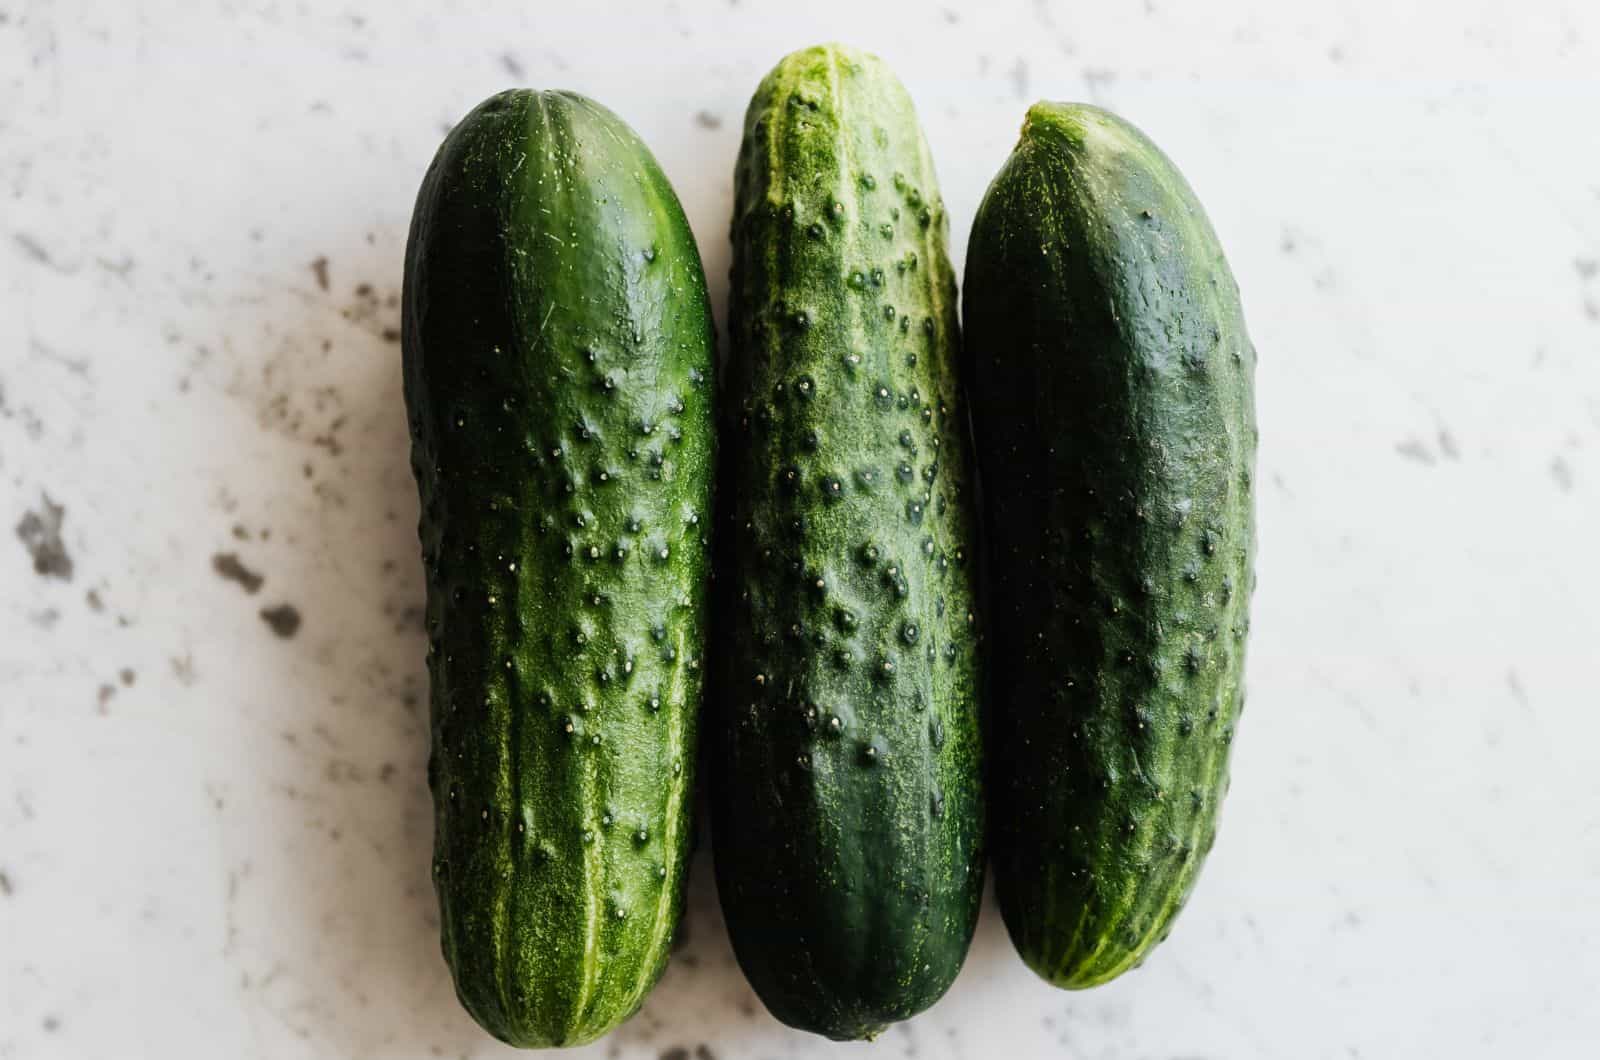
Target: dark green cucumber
<point>1113,410</point>
<point>557,347</point>
<point>847,810</point>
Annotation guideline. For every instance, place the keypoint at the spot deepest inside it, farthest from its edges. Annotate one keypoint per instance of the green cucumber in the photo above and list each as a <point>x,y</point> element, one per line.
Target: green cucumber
<point>558,346</point>
<point>1111,381</point>
<point>847,808</point>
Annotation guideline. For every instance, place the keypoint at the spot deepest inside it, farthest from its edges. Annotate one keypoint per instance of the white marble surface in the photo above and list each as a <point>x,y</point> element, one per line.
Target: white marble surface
<point>214,838</point>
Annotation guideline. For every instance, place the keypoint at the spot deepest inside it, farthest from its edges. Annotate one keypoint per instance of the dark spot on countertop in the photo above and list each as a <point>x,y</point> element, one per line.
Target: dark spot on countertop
<point>92,598</point>
<point>40,533</point>
<point>319,269</point>
<point>707,120</point>
<point>46,618</point>
<point>408,618</point>
<point>32,249</point>
<point>329,439</point>
<point>1019,78</point>
<point>6,890</point>
<point>703,1052</point>
<point>103,698</point>
<point>378,313</point>
<point>1415,449</point>
<point>51,1024</point>
<point>1587,268</point>
<point>127,676</point>
<point>32,425</point>
<point>343,771</point>
<point>677,1052</point>
<point>951,15</point>
<point>512,65</point>
<point>120,269</point>
<point>240,533</point>
<point>229,568</point>
<point>78,366</point>
<point>1561,471</point>
<point>1097,78</point>
<point>284,619</point>
<point>183,668</point>
<point>1514,683</point>
<point>1447,444</point>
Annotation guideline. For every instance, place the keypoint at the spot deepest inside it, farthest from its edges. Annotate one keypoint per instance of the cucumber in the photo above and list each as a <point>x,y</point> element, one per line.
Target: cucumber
<point>558,346</point>
<point>1111,381</point>
<point>847,807</point>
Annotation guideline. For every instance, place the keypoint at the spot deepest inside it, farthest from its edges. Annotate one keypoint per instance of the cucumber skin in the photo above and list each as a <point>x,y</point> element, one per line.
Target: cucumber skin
<point>848,858</point>
<point>557,348</point>
<point>1113,408</point>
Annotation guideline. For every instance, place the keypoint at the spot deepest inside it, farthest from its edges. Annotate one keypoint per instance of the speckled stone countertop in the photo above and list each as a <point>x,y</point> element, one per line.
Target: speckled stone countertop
<point>214,825</point>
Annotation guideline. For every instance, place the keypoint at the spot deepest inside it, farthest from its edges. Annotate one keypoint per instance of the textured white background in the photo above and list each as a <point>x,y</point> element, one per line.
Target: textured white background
<point>214,839</point>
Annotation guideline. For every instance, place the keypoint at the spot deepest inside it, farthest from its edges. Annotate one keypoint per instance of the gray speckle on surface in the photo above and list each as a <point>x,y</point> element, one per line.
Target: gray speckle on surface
<point>1019,78</point>
<point>1587,268</point>
<point>1097,78</point>
<point>40,533</point>
<point>229,567</point>
<point>31,248</point>
<point>1414,449</point>
<point>512,65</point>
<point>319,269</point>
<point>707,120</point>
<point>1561,471</point>
<point>1514,682</point>
<point>78,366</point>
<point>1447,444</point>
<point>6,890</point>
<point>677,1052</point>
<point>284,619</point>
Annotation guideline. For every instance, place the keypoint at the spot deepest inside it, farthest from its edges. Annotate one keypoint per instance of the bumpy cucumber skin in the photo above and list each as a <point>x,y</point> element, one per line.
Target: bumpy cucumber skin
<point>847,807</point>
<point>558,347</point>
<point>1111,380</point>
